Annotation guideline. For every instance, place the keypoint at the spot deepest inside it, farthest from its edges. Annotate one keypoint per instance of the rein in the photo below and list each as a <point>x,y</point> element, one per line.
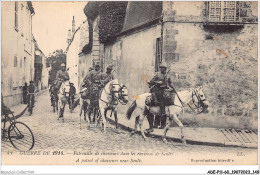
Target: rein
<point>194,93</point>
<point>120,98</point>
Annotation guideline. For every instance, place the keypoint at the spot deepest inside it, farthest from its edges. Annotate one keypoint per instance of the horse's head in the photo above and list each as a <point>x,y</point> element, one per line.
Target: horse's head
<point>119,91</point>
<point>200,99</point>
<point>65,87</point>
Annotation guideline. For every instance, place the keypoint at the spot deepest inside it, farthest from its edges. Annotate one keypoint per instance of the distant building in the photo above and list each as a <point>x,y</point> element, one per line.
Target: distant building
<point>73,51</point>
<point>41,73</point>
<point>17,49</point>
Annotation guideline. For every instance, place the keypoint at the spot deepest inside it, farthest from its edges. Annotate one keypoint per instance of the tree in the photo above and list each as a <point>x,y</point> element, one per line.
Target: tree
<point>54,60</point>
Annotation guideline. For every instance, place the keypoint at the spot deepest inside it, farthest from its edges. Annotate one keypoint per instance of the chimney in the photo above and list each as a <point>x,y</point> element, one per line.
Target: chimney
<point>69,36</point>
<point>73,25</point>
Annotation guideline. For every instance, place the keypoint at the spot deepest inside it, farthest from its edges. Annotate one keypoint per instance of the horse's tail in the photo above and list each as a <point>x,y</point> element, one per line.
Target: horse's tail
<point>131,110</point>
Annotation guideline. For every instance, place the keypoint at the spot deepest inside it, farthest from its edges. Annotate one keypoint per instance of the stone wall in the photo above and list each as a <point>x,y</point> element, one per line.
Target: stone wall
<point>221,58</point>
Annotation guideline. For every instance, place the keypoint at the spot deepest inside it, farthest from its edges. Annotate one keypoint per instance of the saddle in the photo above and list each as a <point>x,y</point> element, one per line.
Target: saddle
<point>168,97</point>
<point>85,94</point>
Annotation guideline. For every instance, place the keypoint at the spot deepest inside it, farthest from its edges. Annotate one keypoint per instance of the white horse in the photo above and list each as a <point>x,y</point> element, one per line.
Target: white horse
<point>112,93</point>
<point>63,95</point>
<point>194,98</point>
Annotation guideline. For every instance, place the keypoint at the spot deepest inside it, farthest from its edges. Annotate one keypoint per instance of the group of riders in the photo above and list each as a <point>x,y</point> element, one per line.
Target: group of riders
<point>95,80</point>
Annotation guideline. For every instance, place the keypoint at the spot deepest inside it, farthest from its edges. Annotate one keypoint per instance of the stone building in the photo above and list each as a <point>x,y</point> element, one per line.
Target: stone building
<point>17,49</point>
<point>76,41</point>
<point>213,44</point>
<point>40,71</point>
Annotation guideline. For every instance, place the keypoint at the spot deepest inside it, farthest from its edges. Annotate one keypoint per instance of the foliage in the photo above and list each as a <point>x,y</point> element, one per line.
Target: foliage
<point>54,60</point>
<point>112,15</point>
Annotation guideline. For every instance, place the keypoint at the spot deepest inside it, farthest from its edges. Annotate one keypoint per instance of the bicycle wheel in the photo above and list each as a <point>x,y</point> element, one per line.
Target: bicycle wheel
<point>21,136</point>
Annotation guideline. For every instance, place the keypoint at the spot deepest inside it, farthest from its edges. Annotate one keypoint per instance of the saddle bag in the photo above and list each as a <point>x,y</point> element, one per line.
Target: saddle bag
<point>169,98</point>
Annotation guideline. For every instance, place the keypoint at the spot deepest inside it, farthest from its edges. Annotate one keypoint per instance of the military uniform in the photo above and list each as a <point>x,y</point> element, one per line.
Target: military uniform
<point>108,76</point>
<point>62,75</point>
<point>31,89</point>
<point>157,85</point>
<point>94,83</point>
<point>87,80</point>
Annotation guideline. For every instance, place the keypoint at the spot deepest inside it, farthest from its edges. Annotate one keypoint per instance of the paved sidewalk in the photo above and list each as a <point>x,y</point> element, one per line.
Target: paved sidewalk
<point>21,108</point>
<point>199,135</point>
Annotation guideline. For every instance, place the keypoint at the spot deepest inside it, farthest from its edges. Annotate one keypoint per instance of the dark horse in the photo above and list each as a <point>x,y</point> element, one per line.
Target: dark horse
<point>54,96</point>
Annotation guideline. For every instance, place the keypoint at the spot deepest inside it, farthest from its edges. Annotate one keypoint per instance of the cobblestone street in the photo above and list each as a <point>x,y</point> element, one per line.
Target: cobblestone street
<point>51,134</point>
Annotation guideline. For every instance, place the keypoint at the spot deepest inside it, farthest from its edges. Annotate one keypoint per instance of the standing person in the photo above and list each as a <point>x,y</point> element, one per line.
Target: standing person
<point>31,89</point>
<point>72,92</point>
<point>25,91</point>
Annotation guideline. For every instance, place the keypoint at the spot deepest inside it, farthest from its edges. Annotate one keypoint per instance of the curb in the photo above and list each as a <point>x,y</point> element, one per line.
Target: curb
<point>23,111</point>
<point>188,141</point>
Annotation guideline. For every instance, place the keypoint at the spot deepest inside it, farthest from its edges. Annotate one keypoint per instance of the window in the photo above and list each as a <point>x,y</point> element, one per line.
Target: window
<point>16,16</point>
<point>223,11</point>
<point>15,61</point>
<point>158,56</point>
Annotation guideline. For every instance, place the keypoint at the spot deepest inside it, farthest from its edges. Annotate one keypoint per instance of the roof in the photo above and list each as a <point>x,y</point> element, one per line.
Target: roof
<point>139,13</point>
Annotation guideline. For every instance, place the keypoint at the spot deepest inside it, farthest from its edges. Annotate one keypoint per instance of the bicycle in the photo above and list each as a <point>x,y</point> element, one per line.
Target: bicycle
<point>18,133</point>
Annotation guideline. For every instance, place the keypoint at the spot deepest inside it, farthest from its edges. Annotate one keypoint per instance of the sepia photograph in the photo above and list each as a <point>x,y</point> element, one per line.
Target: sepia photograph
<point>129,83</point>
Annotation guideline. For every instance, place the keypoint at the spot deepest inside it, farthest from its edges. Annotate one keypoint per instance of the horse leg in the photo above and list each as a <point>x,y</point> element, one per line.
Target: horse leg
<point>168,123</point>
<point>81,108</point>
<point>179,123</point>
<point>115,114</point>
<point>142,116</point>
<point>89,107</point>
<point>136,123</point>
<point>62,111</point>
<point>103,118</point>
<point>58,109</point>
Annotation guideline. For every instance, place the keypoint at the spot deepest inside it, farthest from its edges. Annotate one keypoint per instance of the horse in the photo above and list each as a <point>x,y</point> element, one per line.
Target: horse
<point>85,102</point>
<point>193,98</point>
<point>63,96</point>
<point>110,95</point>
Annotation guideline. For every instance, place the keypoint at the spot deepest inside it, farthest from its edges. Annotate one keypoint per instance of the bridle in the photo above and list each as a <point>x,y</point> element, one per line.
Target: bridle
<point>112,93</point>
<point>197,105</point>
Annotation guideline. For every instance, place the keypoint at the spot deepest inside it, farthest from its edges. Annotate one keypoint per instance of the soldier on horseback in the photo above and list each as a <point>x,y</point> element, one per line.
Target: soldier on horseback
<point>93,81</point>
<point>62,75</point>
<point>158,84</point>
<point>108,76</point>
<point>86,79</point>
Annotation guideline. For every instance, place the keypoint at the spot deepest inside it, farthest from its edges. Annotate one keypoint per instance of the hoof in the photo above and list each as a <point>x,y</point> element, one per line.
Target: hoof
<point>183,141</point>
<point>149,130</point>
<point>145,138</point>
<point>132,133</point>
<point>164,140</point>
